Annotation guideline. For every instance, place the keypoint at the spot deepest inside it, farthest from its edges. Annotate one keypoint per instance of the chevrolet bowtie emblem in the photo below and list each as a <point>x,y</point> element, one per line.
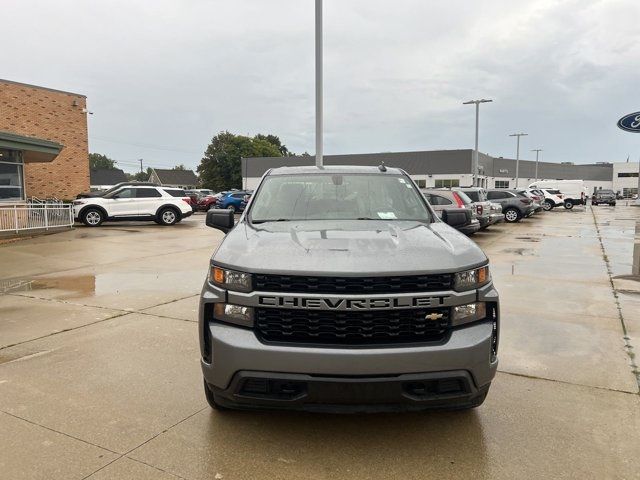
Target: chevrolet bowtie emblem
<point>433,316</point>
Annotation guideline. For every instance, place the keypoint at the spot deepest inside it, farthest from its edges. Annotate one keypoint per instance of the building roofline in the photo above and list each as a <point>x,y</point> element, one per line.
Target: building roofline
<point>41,87</point>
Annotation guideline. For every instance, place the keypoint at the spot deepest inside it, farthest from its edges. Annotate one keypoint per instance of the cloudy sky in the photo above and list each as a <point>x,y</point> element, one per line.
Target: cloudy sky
<point>162,77</point>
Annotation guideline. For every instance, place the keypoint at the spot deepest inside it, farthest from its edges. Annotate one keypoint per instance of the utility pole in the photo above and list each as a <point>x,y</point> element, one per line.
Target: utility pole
<point>474,162</point>
<point>319,83</point>
<point>537,150</point>
<point>518,135</point>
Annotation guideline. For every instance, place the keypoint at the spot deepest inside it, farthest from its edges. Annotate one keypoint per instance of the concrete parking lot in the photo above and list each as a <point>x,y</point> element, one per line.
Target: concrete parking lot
<point>99,372</point>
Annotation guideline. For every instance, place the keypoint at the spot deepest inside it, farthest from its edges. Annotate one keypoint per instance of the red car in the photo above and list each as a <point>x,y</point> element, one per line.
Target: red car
<point>205,203</point>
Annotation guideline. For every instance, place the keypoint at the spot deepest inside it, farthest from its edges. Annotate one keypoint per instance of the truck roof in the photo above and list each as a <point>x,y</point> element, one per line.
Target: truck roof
<point>312,169</point>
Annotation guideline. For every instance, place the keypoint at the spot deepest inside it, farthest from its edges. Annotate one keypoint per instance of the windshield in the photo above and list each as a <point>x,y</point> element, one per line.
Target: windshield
<point>338,197</point>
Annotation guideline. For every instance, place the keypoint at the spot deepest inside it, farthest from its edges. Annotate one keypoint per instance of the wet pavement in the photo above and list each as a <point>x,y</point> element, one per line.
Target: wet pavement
<point>99,373</point>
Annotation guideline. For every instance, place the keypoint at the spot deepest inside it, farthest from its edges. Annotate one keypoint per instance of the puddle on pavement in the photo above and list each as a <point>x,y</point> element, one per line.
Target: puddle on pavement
<point>634,293</point>
<point>528,239</point>
<point>519,251</point>
<point>92,285</point>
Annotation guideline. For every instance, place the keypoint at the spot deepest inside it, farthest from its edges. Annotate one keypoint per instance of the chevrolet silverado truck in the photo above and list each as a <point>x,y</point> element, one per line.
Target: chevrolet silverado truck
<point>340,289</point>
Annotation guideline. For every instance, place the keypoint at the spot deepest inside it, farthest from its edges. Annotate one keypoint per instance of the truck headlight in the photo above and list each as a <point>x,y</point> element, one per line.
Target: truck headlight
<point>471,278</point>
<point>230,279</point>
<point>468,313</point>
<point>237,314</point>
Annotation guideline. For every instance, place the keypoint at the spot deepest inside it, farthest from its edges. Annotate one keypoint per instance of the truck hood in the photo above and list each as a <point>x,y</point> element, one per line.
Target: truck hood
<point>364,247</point>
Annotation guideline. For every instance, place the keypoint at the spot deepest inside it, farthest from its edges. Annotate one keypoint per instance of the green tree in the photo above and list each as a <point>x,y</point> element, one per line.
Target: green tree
<point>180,167</point>
<point>220,168</point>
<point>98,160</point>
<point>275,140</point>
<point>139,176</point>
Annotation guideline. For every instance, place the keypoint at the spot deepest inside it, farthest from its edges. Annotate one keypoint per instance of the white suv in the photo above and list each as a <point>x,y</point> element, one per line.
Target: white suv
<point>552,198</point>
<point>165,206</point>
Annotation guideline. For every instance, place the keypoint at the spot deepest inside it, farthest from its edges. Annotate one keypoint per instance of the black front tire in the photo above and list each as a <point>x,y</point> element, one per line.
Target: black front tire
<point>547,205</point>
<point>93,217</point>
<point>167,217</point>
<point>512,215</point>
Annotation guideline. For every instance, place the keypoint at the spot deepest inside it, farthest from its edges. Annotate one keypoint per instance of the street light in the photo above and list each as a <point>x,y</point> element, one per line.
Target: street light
<point>518,135</point>
<point>537,150</point>
<point>474,162</point>
<point>319,83</point>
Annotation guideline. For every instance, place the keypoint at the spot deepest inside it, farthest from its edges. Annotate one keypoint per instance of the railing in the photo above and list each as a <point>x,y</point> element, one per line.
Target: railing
<point>35,216</point>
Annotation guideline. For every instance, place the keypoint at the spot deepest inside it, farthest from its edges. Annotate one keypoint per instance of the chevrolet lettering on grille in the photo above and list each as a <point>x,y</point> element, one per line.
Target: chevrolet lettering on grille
<point>331,303</point>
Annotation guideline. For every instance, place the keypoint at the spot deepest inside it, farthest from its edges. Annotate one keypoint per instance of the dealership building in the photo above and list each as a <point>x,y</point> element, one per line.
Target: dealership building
<point>452,168</point>
<point>43,143</point>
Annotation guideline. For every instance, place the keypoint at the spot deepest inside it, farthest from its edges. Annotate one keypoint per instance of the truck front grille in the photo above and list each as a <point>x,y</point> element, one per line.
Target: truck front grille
<point>353,285</point>
<point>351,328</point>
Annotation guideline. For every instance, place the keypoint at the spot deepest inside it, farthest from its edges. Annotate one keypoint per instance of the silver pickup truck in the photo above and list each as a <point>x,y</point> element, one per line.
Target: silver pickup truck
<point>340,289</point>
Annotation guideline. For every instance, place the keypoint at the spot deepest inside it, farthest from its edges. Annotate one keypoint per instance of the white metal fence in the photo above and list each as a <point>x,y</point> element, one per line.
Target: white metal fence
<point>36,216</point>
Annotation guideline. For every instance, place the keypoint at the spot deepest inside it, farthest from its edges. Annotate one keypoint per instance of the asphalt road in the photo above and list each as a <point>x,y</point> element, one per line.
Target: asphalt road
<point>99,373</point>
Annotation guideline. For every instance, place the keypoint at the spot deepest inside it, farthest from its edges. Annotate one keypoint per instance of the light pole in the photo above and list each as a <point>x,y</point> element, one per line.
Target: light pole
<point>537,150</point>
<point>474,162</point>
<point>518,135</point>
<point>318,83</point>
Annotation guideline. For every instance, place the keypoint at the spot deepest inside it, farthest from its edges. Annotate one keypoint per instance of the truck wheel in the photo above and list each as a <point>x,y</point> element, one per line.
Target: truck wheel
<point>568,204</point>
<point>167,216</point>
<point>232,208</point>
<point>211,399</point>
<point>512,215</point>
<point>92,217</point>
<point>547,205</point>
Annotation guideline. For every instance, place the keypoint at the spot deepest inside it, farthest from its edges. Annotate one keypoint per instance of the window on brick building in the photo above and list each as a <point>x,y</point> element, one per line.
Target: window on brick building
<point>11,176</point>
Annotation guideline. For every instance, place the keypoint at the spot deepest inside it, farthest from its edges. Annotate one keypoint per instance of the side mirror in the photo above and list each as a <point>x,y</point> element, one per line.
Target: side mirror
<point>221,219</point>
<point>454,218</point>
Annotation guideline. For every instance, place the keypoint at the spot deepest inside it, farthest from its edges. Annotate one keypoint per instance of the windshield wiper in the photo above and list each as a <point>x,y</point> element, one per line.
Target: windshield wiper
<point>271,220</point>
<point>367,218</point>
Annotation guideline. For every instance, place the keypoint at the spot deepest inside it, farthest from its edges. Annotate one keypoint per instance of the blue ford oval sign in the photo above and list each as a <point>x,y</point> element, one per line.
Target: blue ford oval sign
<point>630,123</point>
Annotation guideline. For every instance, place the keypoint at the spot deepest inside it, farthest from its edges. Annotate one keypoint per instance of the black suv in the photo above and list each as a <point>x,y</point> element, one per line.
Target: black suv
<point>604,196</point>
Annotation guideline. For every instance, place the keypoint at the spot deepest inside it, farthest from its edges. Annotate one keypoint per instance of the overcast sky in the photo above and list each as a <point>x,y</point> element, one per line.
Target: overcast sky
<point>162,77</point>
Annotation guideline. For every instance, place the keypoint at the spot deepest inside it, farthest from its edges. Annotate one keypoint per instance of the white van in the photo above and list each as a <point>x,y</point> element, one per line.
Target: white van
<point>574,192</point>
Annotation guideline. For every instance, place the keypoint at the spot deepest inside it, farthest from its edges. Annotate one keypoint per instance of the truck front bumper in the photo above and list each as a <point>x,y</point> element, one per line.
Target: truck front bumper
<point>244,372</point>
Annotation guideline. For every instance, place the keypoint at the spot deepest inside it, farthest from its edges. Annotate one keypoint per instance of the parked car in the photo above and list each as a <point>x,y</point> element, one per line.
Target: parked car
<point>232,200</point>
<point>535,198</point>
<point>574,191</point>
<point>482,206</point>
<point>207,202</point>
<point>552,198</point>
<point>604,196</point>
<point>373,304</point>
<point>446,199</point>
<point>514,207</point>
<point>165,206</point>
<point>496,213</point>
<point>180,193</point>
<point>117,186</point>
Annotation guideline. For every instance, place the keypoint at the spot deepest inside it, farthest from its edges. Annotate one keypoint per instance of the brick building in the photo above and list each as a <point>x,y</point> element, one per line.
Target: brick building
<point>43,143</point>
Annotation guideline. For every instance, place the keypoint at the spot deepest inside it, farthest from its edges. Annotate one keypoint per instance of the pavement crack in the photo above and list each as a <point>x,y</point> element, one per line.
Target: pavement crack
<point>126,454</point>
<point>58,432</point>
<point>565,382</point>
<point>64,331</point>
<point>628,346</point>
